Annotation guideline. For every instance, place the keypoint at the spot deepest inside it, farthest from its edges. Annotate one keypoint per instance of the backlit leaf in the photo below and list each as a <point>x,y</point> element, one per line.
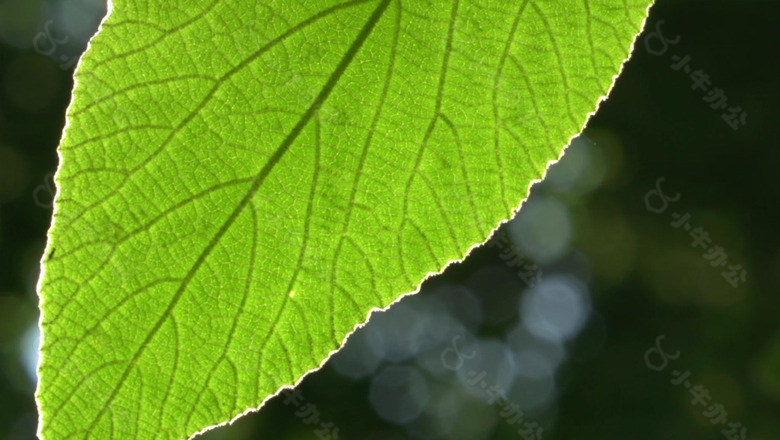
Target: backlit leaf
<point>242,182</point>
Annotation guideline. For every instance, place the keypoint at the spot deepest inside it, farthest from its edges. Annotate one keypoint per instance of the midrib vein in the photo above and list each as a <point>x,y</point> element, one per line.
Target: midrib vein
<point>256,184</point>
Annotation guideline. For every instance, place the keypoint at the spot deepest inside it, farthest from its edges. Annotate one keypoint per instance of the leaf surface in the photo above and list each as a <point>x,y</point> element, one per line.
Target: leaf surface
<point>242,182</point>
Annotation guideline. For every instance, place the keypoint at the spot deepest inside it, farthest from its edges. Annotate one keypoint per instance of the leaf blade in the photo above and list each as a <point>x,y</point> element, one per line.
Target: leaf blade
<point>381,95</point>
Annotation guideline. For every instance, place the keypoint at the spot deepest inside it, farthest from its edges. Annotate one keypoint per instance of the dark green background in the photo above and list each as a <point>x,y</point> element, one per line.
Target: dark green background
<point>643,277</point>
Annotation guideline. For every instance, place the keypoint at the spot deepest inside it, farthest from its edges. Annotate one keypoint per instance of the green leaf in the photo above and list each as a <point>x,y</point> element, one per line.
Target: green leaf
<point>243,182</point>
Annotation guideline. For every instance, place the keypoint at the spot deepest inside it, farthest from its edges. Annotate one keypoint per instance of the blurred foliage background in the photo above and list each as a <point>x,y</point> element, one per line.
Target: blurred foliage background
<point>563,312</point>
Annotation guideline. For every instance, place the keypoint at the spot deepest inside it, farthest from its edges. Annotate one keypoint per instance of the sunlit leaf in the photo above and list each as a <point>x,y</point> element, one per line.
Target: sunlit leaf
<point>242,182</point>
